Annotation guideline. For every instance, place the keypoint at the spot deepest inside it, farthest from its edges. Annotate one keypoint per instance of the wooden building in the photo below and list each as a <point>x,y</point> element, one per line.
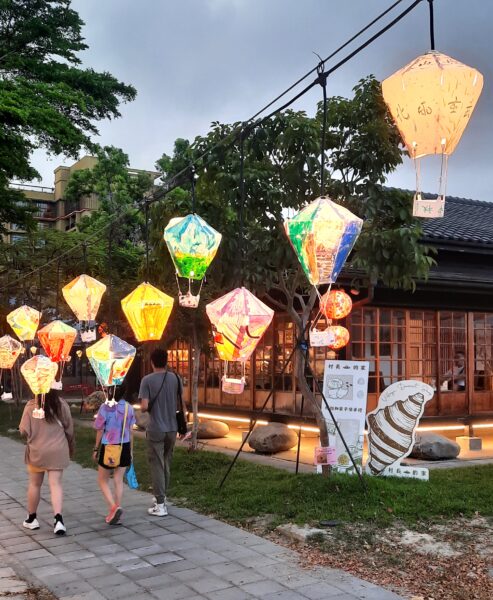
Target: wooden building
<point>403,335</point>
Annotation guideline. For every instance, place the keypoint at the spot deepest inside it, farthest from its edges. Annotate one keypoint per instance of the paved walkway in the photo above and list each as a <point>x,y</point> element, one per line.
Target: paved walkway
<point>184,556</point>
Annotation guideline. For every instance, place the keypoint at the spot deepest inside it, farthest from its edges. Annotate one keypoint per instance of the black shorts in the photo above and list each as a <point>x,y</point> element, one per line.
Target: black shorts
<point>125,458</point>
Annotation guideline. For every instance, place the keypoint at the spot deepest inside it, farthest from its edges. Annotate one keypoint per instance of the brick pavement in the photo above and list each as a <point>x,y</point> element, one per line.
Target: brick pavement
<point>185,556</point>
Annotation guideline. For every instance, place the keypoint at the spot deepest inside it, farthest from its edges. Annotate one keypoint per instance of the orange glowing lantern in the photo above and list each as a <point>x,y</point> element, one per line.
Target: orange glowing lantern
<point>147,310</point>
<point>431,101</point>
<point>339,337</point>
<point>336,304</point>
<point>57,340</point>
<point>239,320</point>
<point>24,321</point>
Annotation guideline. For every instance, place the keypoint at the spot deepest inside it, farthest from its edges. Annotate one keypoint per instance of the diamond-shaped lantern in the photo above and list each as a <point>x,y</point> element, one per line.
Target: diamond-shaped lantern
<point>10,350</point>
<point>57,339</point>
<point>24,321</point>
<point>39,372</point>
<point>240,320</point>
<point>322,235</point>
<point>83,295</point>
<point>431,101</point>
<point>192,243</point>
<point>147,310</point>
<point>336,304</point>
<point>111,358</point>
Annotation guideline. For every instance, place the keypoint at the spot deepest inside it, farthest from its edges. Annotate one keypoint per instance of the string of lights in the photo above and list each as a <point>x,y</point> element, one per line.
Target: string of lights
<point>236,135</point>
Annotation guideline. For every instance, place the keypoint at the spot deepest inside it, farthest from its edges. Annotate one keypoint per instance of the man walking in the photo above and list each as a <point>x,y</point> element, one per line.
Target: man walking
<point>160,395</point>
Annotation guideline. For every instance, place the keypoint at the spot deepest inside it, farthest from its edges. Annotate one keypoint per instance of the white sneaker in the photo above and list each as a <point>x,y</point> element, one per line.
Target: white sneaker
<point>34,524</point>
<point>158,510</point>
<point>59,528</point>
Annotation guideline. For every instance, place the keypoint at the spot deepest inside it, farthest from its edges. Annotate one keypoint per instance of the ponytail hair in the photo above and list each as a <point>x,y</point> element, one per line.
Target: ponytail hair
<point>52,406</point>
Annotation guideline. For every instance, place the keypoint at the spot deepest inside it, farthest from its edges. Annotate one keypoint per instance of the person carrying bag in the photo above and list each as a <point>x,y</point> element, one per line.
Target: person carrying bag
<point>113,450</point>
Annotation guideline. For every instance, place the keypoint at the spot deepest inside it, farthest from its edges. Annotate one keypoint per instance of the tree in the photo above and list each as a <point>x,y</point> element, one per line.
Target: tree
<point>46,99</point>
<point>282,173</point>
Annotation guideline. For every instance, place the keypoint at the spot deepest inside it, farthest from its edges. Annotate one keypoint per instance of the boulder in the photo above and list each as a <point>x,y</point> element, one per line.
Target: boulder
<point>94,401</point>
<point>272,438</point>
<point>432,446</point>
<point>209,430</point>
<point>142,419</point>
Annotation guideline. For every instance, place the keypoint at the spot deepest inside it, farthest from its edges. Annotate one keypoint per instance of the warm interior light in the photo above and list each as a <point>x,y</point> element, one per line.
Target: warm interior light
<point>442,428</point>
<point>482,425</point>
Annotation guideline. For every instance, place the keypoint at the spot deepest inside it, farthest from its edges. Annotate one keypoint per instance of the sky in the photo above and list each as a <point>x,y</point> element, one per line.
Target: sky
<point>198,61</point>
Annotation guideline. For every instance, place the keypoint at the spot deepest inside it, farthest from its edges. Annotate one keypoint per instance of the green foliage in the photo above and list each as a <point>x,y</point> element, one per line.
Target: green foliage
<point>46,98</point>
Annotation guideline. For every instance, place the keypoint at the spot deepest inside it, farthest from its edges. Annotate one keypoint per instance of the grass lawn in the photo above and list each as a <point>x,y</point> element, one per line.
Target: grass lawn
<point>254,490</point>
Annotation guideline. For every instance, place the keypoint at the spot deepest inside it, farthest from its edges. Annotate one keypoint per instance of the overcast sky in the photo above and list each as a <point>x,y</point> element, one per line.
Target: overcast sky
<point>198,61</point>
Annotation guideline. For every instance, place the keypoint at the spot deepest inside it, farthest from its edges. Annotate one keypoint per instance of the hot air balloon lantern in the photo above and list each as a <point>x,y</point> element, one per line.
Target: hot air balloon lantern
<point>10,350</point>
<point>110,358</point>
<point>83,295</point>
<point>431,101</point>
<point>24,321</point>
<point>239,320</point>
<point>57,340</point>
<point>192,244</point>
<point>336,304</point>
<point>39,373</point>
<point>147,310</point>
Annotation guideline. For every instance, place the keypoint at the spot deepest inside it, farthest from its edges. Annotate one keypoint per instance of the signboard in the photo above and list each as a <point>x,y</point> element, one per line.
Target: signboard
<point>392,428</point>
<point>345,389</point>
<point>325,455</point>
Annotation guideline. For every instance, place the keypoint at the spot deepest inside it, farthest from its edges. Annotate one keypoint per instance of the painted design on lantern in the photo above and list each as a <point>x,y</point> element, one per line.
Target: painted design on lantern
<point>239,320</point>
<point>338,337</point>
<point>10,349</point>
<point>39,373</point>
<point>111,358</point>
<point>439,93</point>
<point>147,310</point>
<point>392,425</point>
<point>24,321</point>
<point>83,295</point>
<point>322,235</point>
<point>57,340</point>
<point>193,244</point>
<point>336,304</point>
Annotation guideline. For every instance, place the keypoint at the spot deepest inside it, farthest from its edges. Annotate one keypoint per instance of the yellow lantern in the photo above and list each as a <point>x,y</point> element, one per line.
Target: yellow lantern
<point>111,358</point>
<point>10,350</point>
<point>83,295</point>
<point>431,101</point>
<point>39,372</point>
<point>24,321</point>
<point>147,310</point>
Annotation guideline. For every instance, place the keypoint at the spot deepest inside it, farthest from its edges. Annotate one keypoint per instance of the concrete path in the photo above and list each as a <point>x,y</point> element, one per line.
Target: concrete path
<point>183,556</point>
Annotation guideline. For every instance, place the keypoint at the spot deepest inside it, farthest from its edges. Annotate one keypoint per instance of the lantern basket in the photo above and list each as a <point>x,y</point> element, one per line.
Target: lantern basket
<point>320,339</point>
<point>428,209</point>
<point>89,335</point>
<point>233,386</point>
<point>188,300</point>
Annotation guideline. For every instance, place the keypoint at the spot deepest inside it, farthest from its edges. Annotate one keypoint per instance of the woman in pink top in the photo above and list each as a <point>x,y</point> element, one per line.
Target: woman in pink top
<point>112,428</point>
<point>50,442</point>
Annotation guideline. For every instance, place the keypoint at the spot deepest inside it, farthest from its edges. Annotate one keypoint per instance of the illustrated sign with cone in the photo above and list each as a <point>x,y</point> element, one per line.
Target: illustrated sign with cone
<point>392,428</point>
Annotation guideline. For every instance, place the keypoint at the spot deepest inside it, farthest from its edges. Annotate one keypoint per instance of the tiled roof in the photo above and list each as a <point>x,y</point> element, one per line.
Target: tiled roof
<point>465,221</point>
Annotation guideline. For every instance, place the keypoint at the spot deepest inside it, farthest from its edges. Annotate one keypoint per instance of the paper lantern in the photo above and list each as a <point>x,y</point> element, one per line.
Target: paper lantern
<point>110,357</point>
<point>39,372</point>
<point>336,304</point>
<point>24,321</point>
<point>322,235</point>
<point>431,100</point>
<point>192,243</point>
<point>57,340</point>
<point>239,320</point>
<point>147,310</point>
<point>339,336</point>
<point>10,350</point>
<point>83,295</point>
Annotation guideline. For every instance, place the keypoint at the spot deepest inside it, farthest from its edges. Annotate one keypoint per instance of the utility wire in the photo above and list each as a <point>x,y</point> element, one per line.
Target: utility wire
<point>245,127</point>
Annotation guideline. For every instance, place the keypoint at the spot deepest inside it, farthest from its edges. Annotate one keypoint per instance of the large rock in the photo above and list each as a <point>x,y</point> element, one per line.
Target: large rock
<point>94,401</point>
<point>209,430</point>
<point>272,438</point>
<point>431,446</point>
<point>142,419</point>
